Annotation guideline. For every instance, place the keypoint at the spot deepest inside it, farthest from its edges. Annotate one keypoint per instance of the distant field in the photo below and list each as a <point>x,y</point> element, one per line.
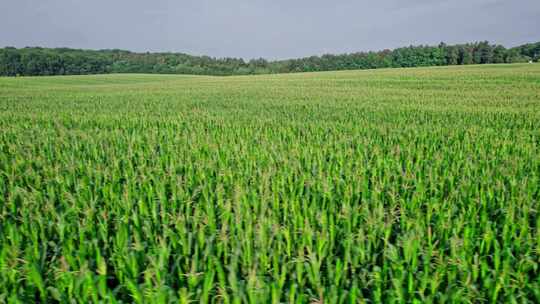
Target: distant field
<point>397,186</point>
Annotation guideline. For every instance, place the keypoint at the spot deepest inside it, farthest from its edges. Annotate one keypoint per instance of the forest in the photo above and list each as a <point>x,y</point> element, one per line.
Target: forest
<point>37,61</point>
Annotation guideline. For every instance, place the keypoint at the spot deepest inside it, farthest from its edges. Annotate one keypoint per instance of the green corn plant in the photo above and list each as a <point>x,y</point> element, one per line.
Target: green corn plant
<point>400,186</point>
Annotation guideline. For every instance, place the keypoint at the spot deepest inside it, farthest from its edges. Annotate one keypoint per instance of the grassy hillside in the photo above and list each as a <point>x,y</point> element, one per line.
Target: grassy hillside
<point>405,185</point>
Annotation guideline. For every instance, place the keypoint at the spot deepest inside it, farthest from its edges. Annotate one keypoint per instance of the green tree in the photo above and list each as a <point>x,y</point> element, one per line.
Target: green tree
<point>451,55</point>
<point>499,53</point>
<point>10,64</point>
<point>465,55</point>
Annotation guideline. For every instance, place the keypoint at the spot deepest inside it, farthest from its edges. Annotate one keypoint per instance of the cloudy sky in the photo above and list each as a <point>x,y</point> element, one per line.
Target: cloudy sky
<point>274,29</point>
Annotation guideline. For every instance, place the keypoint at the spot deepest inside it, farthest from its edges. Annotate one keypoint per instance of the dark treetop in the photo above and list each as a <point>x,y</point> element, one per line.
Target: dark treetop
<point>64,61</point>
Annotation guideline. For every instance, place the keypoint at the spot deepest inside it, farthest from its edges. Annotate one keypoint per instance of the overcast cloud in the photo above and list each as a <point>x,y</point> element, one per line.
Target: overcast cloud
<point>274,29</point>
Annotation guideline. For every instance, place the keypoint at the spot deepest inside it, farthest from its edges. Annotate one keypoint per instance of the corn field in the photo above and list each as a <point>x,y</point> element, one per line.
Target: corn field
<point>387,186</point>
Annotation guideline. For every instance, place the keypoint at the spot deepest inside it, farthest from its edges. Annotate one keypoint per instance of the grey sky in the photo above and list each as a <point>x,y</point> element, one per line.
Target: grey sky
<point>270,29</point>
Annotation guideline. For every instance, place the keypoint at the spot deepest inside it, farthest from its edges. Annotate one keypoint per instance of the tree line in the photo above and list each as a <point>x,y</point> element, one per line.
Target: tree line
<point>33,61</point>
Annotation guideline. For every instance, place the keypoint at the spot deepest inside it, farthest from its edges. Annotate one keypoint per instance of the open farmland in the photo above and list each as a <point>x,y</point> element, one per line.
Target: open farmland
<point>399,185</point>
